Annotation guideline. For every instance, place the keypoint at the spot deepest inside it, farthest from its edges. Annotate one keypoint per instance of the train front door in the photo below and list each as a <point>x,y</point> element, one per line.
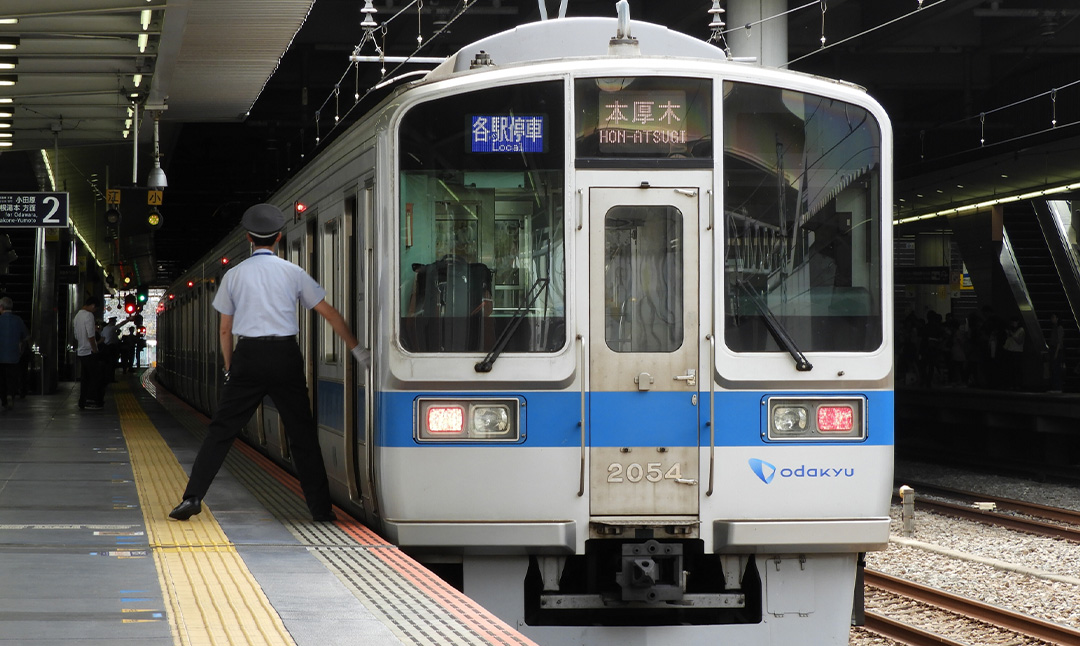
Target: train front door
<point>643,355</point>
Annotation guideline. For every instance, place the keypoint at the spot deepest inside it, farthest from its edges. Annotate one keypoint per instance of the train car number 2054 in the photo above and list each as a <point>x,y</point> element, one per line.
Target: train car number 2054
<point>650,471</point>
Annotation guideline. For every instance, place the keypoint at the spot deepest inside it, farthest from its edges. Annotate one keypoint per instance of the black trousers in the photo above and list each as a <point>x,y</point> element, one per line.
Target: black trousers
<point>92,388</point>
<point>261,368</point>
<point>9,382</point>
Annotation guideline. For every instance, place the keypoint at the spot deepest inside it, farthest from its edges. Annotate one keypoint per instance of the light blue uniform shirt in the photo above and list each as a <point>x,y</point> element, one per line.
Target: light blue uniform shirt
<point>261,295</point>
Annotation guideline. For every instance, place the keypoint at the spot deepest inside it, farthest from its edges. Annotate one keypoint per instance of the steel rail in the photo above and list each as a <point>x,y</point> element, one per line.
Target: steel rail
<point>984,612</point>
<point>1017,523</point>
<point>1008,504</point>
<point>905,633</point>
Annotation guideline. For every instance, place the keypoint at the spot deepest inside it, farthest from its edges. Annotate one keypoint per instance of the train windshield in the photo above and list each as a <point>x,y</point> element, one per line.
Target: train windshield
<point>481,221</point>
<point>802,222</point>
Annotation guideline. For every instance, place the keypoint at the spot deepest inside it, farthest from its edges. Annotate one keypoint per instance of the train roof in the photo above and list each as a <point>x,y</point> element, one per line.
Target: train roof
<point>573,38</point>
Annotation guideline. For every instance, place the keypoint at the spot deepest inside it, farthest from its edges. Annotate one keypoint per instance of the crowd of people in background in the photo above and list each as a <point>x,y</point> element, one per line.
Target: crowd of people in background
<point>981,350</point>
<point>102,349</point>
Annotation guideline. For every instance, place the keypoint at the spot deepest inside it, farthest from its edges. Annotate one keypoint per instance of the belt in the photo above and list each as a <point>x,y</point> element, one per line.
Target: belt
<point>291,337</point>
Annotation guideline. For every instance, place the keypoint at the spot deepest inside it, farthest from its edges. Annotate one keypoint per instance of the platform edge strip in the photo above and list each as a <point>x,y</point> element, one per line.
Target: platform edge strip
<point>222,604</point>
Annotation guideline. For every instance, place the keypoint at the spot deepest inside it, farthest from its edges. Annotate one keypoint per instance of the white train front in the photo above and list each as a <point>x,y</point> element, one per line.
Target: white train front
<point>631,334</point>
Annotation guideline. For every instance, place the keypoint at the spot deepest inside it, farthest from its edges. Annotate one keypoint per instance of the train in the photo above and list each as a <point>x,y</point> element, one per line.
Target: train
<point>622,389</point>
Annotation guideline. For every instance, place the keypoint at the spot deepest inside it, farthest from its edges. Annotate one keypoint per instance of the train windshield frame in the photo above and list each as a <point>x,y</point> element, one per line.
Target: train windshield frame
<point>802,222</point>
<point>481,233</point>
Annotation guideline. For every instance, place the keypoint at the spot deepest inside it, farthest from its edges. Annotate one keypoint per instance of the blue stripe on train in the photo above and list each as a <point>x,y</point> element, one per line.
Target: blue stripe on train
<point>550,419</point>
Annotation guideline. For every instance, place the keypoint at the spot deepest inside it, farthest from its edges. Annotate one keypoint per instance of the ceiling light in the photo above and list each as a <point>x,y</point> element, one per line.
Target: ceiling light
<point>9,79</point>
<point>143,39</point>
<point>5,124</point>
<point>6,144</point>
<point>144,18</point>
<point>5,135</point>
<point>9,42</point>
<point>137,79</point>
<point>6,114</point>
<point>8,62</point>
<point>9,21</point>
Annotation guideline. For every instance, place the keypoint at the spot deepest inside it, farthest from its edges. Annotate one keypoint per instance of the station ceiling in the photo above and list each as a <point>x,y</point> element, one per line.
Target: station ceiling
<point>984,95</point>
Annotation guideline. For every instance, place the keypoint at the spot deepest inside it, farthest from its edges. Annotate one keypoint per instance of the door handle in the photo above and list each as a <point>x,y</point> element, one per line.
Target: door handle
<point>690,377</point>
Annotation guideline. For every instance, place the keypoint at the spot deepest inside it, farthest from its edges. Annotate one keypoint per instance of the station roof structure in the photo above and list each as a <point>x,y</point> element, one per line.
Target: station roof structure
<point>984,95</point>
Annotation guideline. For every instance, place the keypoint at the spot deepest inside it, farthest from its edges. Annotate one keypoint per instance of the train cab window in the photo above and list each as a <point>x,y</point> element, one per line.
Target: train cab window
<point>802,221</point>
<point>481,221</point>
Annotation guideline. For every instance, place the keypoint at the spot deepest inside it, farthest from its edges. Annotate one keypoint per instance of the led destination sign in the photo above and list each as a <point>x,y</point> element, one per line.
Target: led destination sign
<point>507,133</point>
<point>642,122</point>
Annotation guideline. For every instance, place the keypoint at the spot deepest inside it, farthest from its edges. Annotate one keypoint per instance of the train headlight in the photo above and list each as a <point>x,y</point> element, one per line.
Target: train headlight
<point>467,420</point>
<point>789,419</point>
<point>815,418</point>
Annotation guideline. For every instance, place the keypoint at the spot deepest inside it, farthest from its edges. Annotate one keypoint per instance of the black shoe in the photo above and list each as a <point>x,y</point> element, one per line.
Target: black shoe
<point>186,509</point>
<point>327,517</point>
<point>93,407</point>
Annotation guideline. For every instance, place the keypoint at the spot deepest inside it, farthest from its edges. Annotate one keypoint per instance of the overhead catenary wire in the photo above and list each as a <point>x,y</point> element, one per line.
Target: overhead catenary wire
<point>401,61</point>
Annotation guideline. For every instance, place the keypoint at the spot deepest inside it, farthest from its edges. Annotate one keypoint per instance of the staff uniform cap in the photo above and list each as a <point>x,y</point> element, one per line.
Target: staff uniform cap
<point>263,220</point>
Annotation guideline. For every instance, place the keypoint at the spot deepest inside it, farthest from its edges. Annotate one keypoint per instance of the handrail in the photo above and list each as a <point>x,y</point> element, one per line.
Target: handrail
<point>711,337</point>
<point>712,410</point>
<point>581,422</point>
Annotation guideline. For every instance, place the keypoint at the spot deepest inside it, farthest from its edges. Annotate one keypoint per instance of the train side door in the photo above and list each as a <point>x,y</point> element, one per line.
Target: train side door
<point>643,357</point>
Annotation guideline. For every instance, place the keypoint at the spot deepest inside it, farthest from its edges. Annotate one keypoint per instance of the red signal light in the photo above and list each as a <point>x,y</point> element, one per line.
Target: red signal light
<point>224,260</point>
<point>190,284</point>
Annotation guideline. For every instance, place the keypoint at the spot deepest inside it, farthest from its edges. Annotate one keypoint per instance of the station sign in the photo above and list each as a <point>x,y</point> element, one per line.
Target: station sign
<point>38,210</point>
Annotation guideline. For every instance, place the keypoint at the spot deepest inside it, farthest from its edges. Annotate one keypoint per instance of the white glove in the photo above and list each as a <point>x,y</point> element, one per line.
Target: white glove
<point>362,356</point>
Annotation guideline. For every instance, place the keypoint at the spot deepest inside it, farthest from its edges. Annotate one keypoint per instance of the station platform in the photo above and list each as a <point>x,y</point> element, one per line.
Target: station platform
<point>89,555</point>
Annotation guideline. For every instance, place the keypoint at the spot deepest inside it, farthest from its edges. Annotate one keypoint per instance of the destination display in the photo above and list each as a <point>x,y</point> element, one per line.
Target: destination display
<point>507,133</point>
<point>623,119</point>
<point>642,122</point>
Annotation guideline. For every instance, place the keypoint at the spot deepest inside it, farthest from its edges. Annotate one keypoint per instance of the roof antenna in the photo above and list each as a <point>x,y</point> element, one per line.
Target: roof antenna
<point>623,44</point>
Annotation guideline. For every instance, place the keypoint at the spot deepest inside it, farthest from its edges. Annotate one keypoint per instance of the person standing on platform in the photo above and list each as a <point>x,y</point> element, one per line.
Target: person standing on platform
<point>92,390</point>
<point>110,350</point>
<point>13,336</point>
<point>127,351</point>
<point>257,302</point>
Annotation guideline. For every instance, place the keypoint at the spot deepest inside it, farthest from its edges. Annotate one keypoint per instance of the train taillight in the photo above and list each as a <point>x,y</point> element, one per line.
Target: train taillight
<point>835,419</point>
<point>445,420</point>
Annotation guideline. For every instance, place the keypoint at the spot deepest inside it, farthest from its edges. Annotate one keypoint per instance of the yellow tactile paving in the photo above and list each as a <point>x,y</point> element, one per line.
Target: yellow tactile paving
<point>213,597</point>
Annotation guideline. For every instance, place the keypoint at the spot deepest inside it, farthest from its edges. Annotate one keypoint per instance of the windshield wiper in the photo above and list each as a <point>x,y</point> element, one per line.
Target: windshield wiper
<point>777,329</point>
<point>519,316</point>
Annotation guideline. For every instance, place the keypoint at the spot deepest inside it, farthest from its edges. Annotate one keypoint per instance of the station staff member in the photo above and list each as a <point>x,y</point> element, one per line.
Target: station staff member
<point>257,301</point>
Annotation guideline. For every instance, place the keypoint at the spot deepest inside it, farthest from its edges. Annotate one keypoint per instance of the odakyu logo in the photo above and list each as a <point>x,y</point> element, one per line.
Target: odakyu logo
<point>766,471</point>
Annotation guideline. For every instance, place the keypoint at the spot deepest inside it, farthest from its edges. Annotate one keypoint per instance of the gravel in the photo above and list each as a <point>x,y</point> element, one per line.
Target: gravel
<point>1028,593</point>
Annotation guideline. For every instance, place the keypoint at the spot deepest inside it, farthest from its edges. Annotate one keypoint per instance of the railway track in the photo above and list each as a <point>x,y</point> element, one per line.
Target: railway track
<point>1037,519</point>
<point>998,617</point>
